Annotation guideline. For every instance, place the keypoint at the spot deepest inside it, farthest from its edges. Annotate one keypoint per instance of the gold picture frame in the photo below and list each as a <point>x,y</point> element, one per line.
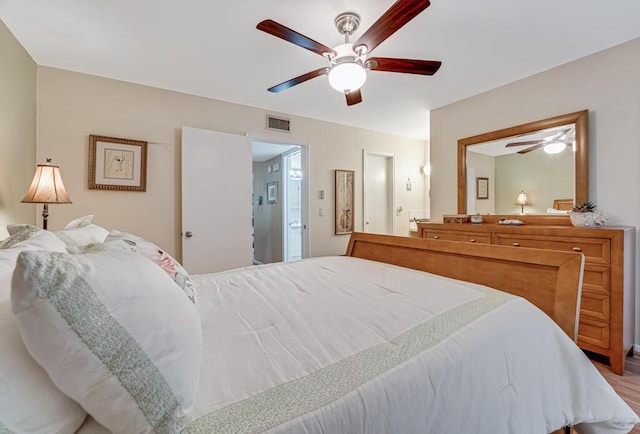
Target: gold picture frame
<point>344,201</point>
<point>117,164</point>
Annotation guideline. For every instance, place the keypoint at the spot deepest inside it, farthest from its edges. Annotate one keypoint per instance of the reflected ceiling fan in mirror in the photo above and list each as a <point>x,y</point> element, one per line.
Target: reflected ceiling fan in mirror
<point>553,144</point>
<point>349,62</point>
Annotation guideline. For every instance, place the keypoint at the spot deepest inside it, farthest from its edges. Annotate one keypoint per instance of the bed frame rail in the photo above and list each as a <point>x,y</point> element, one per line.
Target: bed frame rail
<point>551,280</point>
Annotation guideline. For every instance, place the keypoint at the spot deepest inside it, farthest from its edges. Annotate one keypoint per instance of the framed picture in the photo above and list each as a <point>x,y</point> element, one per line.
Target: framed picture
<point>344,201</point>
<point>272,192</point>
<point>482,188</point>
<point>117,164</point>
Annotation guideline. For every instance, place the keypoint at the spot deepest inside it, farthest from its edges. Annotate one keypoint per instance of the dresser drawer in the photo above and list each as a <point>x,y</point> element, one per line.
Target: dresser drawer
<point>597,278</point>
<point>595,250</point>
<point>595,306</point>
<point>593,332</point>
<point>469,237</point>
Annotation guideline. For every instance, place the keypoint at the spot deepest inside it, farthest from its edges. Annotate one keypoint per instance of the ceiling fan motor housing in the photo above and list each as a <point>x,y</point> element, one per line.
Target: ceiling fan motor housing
<point>347,23</point>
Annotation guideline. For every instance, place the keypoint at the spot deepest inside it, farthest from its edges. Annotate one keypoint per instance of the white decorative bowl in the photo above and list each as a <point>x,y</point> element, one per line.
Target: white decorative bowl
<point>589,219</point>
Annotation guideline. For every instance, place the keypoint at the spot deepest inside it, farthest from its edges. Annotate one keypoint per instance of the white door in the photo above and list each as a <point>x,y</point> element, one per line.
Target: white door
<point>216,201</point>
<point>293,175</point>
<point>378,193</point>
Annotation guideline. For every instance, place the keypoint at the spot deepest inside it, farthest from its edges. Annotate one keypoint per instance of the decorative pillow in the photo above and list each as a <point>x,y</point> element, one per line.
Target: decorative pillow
<point>112,332</point>
<point>82,235</point>
<point>80,222</point>
<point>30,238</point>
<point>146,248</point>
<point>17,227</point>
<point>29,401</point>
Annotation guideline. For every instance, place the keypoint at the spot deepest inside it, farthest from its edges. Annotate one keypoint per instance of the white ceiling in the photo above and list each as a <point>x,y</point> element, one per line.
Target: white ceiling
<point>212,48</point>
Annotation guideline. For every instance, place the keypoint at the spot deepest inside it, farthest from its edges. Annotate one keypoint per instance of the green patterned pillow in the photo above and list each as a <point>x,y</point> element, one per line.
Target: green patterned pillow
<point>113,334</point>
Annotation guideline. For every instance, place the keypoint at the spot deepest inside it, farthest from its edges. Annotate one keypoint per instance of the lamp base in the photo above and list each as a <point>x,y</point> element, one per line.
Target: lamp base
<point>45,216</point>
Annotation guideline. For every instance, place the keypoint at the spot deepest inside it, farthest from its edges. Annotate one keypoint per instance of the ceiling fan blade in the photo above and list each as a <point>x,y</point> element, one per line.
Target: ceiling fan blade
<point>354,97</point>
<point>297,80</point>
<point>532,148</point>
<point>407,66</point>
<point>282,32</point>
<point>559,134</point>
<point>528,142</point>
<point>399,14</point>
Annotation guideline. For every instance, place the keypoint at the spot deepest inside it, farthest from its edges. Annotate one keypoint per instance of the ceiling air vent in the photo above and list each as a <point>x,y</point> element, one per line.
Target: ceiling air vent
<point>275,123</point>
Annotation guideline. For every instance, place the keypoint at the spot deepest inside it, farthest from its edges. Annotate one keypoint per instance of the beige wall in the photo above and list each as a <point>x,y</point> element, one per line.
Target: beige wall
<point>17,131</point>
<point>72,105</point>
<point>482,166</point>
<point>606,83</point>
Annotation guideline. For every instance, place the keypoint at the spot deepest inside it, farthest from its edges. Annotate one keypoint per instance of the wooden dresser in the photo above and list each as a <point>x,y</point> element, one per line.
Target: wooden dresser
<point>607,305</point>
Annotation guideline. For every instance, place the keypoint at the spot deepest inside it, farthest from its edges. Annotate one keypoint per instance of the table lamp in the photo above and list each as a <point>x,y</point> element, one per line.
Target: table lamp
<point>46,188</point>
<point>522,200</point>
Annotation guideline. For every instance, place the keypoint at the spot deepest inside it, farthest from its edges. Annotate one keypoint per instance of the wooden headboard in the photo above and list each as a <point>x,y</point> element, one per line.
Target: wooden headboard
<point>551,280</point>
<point>563,204</point>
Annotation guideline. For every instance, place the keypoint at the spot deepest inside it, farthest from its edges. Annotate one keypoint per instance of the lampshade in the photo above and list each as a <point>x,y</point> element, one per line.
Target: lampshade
<point>554,148</point>
<point>47,186</point>
<point>522,199</point>
<point>347,76</point>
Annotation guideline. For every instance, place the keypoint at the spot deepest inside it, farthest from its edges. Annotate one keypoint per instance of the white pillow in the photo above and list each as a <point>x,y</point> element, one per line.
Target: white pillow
<point>113,333</point>
<point>14,228</point>
<point>30,238</point>
<point>158,256</point>
<point>82,235</point>
<point>80,222</point>
<point>29,401</point>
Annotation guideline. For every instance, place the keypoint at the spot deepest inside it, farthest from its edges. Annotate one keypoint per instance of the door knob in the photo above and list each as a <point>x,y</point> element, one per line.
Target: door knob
<point>188,234</point>
<point>366,223</point>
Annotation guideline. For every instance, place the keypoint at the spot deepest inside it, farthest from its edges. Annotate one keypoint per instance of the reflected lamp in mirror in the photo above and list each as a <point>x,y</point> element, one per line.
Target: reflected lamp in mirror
<point>47,187</point>
<point>555,147</point>
<point>522,201</point>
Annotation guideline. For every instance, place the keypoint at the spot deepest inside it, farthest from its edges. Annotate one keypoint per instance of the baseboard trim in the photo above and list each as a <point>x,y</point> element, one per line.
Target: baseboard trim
<point>636,350</point>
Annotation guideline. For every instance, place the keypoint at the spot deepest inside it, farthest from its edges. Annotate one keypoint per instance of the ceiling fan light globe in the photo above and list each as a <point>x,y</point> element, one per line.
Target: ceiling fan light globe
<point>347,77</point>
<point>555,148</point>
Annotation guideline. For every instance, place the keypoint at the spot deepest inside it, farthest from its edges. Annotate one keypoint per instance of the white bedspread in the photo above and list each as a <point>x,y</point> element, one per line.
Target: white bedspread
<point>342,345</point>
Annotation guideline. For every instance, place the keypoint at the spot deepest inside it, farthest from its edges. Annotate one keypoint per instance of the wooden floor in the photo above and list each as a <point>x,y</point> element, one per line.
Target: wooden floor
<point>627,385</point>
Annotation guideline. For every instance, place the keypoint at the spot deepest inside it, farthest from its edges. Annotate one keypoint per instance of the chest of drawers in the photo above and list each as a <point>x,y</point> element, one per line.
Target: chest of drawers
<point>607,305</point>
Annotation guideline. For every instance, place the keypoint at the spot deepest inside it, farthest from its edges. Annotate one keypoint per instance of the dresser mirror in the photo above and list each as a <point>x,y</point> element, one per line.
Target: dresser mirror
<point>536,168</point>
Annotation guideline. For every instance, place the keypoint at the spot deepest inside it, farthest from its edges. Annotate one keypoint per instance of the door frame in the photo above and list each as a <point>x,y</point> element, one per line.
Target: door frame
<point>390,187</point>
<point>304,185</point>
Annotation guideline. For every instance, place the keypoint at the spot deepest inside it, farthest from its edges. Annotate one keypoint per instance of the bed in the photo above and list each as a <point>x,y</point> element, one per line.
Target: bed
<point>400,335</point>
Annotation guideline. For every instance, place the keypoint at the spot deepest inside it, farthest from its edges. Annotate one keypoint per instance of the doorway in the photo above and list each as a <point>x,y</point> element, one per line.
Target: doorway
<point>279,197</point>
<point>378,197</point>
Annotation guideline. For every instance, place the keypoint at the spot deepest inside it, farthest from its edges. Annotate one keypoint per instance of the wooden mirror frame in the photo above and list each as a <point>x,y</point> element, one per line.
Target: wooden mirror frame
<point>580,119</point>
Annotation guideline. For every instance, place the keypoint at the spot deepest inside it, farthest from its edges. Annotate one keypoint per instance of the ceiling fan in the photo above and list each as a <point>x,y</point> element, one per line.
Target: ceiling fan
<point>349,62</point>
<point>553,144</point>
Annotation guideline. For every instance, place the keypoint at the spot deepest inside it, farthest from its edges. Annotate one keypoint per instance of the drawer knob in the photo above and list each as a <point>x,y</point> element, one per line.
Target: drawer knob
<point>516,244</point>
<point>435,237</point>
<point>472,240</point>
<point>576,249</point>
